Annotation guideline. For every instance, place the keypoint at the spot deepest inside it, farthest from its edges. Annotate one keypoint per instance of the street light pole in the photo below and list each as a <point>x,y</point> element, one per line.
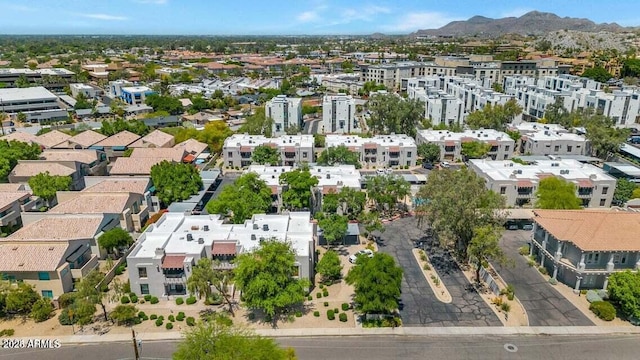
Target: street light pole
<point>135,345</point>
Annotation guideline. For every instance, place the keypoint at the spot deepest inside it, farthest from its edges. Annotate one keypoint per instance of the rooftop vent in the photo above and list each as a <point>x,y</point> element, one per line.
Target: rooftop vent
<point>189,237</point>
<point>328,176</point>
<point>253,237</point>
<point>200,241</point>
<point>265,227</point>
<point>255,226</point>
<point>205,228</point>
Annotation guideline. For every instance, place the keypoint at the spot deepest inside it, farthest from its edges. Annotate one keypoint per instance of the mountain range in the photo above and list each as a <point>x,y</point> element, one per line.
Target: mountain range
<point>531,23</point>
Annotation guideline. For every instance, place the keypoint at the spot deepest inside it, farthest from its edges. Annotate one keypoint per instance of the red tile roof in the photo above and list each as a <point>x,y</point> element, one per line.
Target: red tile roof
<point>223,248</point>
<point>173,262</point>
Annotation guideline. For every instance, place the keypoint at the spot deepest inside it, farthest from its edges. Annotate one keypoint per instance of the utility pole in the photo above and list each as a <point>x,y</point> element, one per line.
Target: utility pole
<point>135,345</point>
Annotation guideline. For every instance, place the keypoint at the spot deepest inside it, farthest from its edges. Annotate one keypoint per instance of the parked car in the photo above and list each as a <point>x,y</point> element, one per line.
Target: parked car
<point>365,252</point>
<point>380,171</point>
<point>445,165</point>
<point>427,165</point>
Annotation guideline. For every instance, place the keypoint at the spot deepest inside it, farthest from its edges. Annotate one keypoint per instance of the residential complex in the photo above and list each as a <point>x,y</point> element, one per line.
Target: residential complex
<point>285,112</point>
<point>339,115</point>
<point>379,151</point>
<point>165,254</point>
<point>450,143</point>
<point>583,248</point>
<point>541,139</point>
<point>87,91</point>
<point>519,183</point>
<point>294,149</point>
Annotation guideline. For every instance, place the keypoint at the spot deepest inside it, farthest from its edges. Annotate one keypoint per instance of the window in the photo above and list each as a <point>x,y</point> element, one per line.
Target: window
<point>142,272</point>
<point>503,190</point>
<point>144,289</point>
<point>603,202</point>
<point>593,258</point>
<point>620,258</point>
<point>47,294</point>
<point>605,190</point>
<point>569,148</point>
<point>230,154</point>
<point>506,148</point>
<point>556,148</point>
<point>43,275</point>
<point>304,154</point>
<point>409,154</point>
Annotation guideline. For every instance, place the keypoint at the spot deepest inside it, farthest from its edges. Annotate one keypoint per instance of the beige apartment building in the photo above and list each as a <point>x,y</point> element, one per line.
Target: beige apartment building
<point>294,149</point>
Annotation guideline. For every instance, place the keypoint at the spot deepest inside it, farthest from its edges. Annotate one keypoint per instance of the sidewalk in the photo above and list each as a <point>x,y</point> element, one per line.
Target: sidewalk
<point>401,331</point>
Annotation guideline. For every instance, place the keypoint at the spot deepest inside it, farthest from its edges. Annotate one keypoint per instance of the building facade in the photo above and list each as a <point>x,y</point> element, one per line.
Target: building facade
<point>540,139</point>
<point>135,95</point>
<point>37,103</point>
<point>285,112</point>
<point>339,115</point>
<point>450,143</point>
<point>379,151</point>
<point>294,149</point>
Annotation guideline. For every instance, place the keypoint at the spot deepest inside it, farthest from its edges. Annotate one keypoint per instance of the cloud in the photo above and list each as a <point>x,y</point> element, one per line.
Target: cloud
<point>105,17</point>
<point>156,2</point>
<point>308,16</point>
<point>420,20</point>
<point>515,12</point>
<point>366,13</point>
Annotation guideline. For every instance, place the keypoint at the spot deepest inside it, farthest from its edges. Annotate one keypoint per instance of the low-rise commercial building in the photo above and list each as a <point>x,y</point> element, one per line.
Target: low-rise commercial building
<point>294,149</point>
<point>135,95</point>
<point>450,143</point>
<point>519,183</point>
<point>87,91</point>
<point>167,251</point>
<point>37,103</point>
<point>395,150</point>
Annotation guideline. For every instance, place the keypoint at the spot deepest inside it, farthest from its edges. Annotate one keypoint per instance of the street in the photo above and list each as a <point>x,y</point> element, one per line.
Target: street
<point>386,347</point>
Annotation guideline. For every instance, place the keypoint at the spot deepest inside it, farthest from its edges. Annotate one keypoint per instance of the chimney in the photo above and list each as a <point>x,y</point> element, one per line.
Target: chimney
<point>255,226</point>
<point>253,237</point>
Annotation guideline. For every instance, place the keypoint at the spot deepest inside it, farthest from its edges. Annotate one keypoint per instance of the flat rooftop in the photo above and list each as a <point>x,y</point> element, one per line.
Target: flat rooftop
<point>281,141</point>
<point>343,175</point>
<point>532,127</point>
<point>569,169</point>
<point>471,135</point>
<point>10,95</point>
<point>136,89</point>
<point>382,140</point>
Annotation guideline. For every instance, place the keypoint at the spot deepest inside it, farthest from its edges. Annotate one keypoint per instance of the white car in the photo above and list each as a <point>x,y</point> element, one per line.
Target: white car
<point>365,252</point>
<point>445,164</point>
<point>380,171</point>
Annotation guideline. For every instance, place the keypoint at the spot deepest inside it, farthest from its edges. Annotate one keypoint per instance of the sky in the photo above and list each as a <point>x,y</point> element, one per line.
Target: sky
<point>281,17</point>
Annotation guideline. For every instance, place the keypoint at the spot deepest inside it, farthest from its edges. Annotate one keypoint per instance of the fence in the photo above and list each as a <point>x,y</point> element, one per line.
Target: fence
<point>490,281</point>
<point>112,272</point>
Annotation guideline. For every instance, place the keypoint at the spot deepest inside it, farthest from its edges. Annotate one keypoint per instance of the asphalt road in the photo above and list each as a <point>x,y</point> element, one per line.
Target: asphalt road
<point>545,306</point>
<point>421,307</point>
<point>389,347</point>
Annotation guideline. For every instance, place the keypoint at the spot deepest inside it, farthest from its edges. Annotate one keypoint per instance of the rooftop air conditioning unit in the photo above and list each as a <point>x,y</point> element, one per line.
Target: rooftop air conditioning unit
<point>200,241</point>
<point>255,227</point>
<point>265,227</point>
<point>189,237</point>
<point>205,228</point>
<point>253,237</point>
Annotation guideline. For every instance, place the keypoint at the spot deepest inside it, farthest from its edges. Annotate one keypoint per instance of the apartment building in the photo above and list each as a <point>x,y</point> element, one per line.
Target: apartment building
<point>395,150</point>
<point>582,249</point>
<point>294,149</point>
<point>115,145</point>
<point>336,83</point>
<point>167,251</point>
<point>339,115</point>
<point>285,112</point>
<point>450,143</point>
<point>37,103</point>
<point>439,107</point>
<point>88,91</point>
<point>83,140</point>
<point>155,139</point>
<point>542,139</point>
<point>135,95</point>
<point>518,183</point>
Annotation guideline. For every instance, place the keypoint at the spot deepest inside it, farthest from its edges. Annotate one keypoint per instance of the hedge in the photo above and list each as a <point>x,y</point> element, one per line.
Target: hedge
<point>603,309</point>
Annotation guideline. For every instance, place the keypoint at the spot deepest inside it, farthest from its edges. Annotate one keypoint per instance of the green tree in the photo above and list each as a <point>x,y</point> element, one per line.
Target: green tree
<point>266,278</point>
<point>89,292</point>
<point>387,191</point>
<point>475,149</point>
<point>497,87</point>
<point>41,310</point>
<point>557,193</point>
<point>175,181</point>
<point>319,140</point>
<point>297,188</point>
<point>371,222</point>
<point>201,277</point>
<point>339,155</point>
<point>45,185</point>
<point>604,137</point>
<point>20,299</point>
<point>22,81</point>
<point>494,117</point>
<point>349,202</point>
<point>598,74</point>
<point>113,127</point>
<point>12,151</point>
<point>429,152</point>
<point>624,289</point>
<point>485,247</point>
<point>114,239</point>
<point>636,193</point>
<point>624,191</point>
<point>21,117</point>
<point>376,282</point>
<point>329,267</point>
<point>266,155</point>
<point>334,227</point>
<point>393,114</point>
<point>164,103</point>
<point>247,196</point>
<point>257,124</point>
<point>514,135</point>
<point>455,203</point>
<point>556,113</point>
<point>213,134</point>
<point>216,341</point>
<point>124,314</point>
<point>631,67</point>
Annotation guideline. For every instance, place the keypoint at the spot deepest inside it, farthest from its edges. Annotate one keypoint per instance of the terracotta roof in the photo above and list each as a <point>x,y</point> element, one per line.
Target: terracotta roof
<point>525,184</point>
<point>189,158</point>
<point>8,198</point>
<point>173,262</point>
<point>93,203</point>
<point>593,230</point>
<point>11,187</point>
<point>467,139</point>
<point>135,186</point>
<point>52,138</point>
<point>585,183</point>
<point>449,143</point>
<point>370,145</point>
<point>175,154</point>
<point>84,139</point>
<point>20,136</point>
<point>135,166</point>
<point>329,189</point>
<point>83,156</point>
<point>33,168</point>
<point>156,138</point>
<point>123,138</point>
<point>394,149</point>
<point>55,228</point>
<point>31,257</point>
<point>192,146</point>
<point>245,148</point>
<point>223,248</point>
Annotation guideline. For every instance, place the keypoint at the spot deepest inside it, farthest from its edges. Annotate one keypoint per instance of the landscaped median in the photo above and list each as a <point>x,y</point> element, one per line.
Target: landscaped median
<point>437,286</point>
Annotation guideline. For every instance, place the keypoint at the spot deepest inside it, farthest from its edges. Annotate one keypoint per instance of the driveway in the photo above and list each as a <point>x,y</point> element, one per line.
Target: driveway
<point>421,307</point>
<point>545,306</point>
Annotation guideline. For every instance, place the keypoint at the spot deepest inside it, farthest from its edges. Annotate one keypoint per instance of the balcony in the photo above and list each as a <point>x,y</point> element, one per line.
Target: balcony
<point>370,152</point>
<point>394,154</point>
<point>449,149</point>
<point>289,155</point>
<point>175,280</point>
<point>174,275</point>
<point>86,268</point>
<point>8,217</point>
<point>585,192</point>
<point>245,155</point>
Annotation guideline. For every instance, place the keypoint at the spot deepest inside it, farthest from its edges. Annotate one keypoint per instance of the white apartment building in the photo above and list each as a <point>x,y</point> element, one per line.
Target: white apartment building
<point>88,91</point>
<point>336,82</point>
<point>115,87</point>
<point>519,183</point>
<point>450,143</point>
<point>294,149</point>
<point>549,139</point>
<point>167,251</point>
<point>285,112</point>
<point>439,107</point>
<point>37,103</point>
<point>339,115</point>
<point>379,151</point>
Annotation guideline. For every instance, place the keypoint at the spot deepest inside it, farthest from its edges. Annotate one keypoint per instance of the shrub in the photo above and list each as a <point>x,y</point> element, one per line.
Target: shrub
<point>524,250</point>
<point>318,295</point>
<point>171,318</point>
<point>531,263</point>
<point>543,270</point>
<point>161,317</point>
<point>316,313</point>
<point>505,307</point>
<point>7,332</point>
<point>134,298</point>
<point>67,299</point>
<point>321,286</point>
<point>169,326</point>
<point>583,292</point>
<point>191,300</point>
<point>603,309</point>
<point>331,315</point>
<point>325,292</point>
<point>147,297</point>
<point>41,310</point>
<point>497,301</point>
<point>326,303</point>
<point>553,281</point>
<point>592,296</point>
<point>159,322</point>
<point>154,300</point>
<point>120,269</point>
<point>345,306</point>
<point>426,267</point>
<point>268,318</point>
<point>423,256</point>
<point>309,297</point>
<point>153,316</point>
<point>298,313</point>
<point>141,314</point>
<point>336,311</point>
<point>179,301</point>
<point>343,317</point>
<point>191,321</point>
<point>510,296</point>
<point>125,299</point>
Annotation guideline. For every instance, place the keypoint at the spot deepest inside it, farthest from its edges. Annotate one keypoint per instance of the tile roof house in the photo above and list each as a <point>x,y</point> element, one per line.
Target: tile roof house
<point>20,136</point>
<point>84,140</point>
<point>175,154</point>
<point>11,206</point>
<point>193,147</point>
<point>29,168</point>
<point>93,162</point>
<point>155,139</point>
<point>115,145</point>
<point>136,185</point>
<point>135,166</point>
<point>583,248</point>
<point>52,138</point>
